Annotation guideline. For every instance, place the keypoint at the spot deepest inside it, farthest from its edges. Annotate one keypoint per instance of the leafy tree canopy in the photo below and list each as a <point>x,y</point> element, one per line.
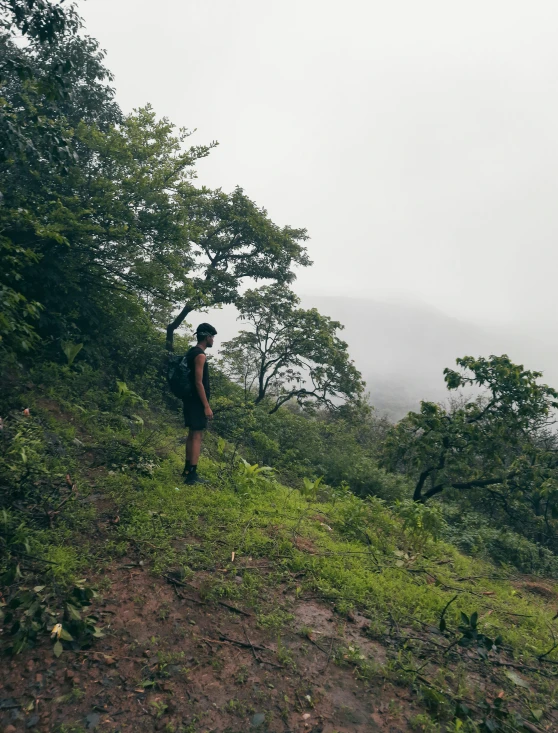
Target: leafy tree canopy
<point>233,239</point>
<point>290,353</point>
<point>47,86</point>
<point>496,447</point>
<point>39,19</point>
<point>98,206</point>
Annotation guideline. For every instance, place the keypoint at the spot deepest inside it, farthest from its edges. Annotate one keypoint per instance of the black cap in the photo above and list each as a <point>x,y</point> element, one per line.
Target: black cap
<point>205,329</point>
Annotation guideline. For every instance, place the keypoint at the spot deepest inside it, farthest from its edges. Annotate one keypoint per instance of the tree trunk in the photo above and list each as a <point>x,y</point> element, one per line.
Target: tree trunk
<point>262,386</point>
<point>417,496</point>
<point>171,328</point>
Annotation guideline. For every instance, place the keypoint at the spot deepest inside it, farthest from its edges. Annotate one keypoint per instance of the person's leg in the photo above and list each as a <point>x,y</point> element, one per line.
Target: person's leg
<point>186,413</point>
<point>195,446</point>
<point>194,454</point>
<point>188,453</point>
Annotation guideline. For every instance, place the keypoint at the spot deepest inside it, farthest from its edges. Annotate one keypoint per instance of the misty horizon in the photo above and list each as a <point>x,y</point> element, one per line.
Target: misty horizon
<point>402,347</point>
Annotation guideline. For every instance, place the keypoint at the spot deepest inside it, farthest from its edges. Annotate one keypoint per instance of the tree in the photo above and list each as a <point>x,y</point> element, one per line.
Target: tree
<point>233,239</point>
<point>113,226</point>
<point>97,207</point>
<point>49,86</point>
<point>39,19</point>
<point>495,446</point>
<point>289,353</point>
<point>31,91</point>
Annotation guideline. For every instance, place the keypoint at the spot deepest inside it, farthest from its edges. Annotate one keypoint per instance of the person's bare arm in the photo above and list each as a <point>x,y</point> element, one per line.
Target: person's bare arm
<point>198,380</point>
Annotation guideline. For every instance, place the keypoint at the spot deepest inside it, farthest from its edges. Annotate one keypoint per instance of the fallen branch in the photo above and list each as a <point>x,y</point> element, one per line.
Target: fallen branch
<point>518,666</point>
<point>442,625</point>
<point>439,583</point>
<point>187,598</point>
<point>225,640</point>
<point>552,648</point>
<point>316,644</point>
<point>531,727</point>
<point>33,557</point>
<point>329,654</point>
<point>235,609</point>
<point>272,664</point>
<point>250,643</point>
<point>245,645</point>
<point>174,582</point>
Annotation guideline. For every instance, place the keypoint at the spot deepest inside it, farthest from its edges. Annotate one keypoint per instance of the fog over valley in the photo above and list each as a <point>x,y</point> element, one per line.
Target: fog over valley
<point>402,348</point>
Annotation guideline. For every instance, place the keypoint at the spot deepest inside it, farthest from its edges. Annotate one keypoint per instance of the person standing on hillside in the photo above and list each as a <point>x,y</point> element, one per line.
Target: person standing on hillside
<point>197,411</point>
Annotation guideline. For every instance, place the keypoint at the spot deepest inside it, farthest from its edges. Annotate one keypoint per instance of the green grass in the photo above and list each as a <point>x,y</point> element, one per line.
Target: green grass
<point>266,520</point>
<point>358,554</point>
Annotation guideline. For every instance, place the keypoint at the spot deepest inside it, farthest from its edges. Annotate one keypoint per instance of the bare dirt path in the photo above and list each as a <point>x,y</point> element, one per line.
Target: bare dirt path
<point>171,662</point>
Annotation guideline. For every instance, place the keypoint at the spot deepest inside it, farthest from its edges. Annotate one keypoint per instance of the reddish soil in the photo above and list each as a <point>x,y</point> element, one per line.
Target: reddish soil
<point>171,662</point>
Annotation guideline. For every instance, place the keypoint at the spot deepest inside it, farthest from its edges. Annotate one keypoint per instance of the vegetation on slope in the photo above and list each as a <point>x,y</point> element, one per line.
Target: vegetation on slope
<point>473,642</point>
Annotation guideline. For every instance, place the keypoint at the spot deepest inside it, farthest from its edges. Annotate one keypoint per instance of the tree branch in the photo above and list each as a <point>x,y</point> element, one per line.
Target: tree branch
<point>462,485</point>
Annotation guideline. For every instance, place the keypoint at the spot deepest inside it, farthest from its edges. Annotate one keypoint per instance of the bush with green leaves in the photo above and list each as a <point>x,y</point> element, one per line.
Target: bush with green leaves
<point>32,613</point>
<point>476,535</point>
<point>422,523</point>
<point>34,468</point>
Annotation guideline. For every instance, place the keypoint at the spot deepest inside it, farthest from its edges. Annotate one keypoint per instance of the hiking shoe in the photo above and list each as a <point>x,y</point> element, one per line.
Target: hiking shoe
<point>193,478</point>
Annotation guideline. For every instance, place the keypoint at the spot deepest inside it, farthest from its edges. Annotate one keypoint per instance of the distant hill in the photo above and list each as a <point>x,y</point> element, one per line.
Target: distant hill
<point>402,348</point>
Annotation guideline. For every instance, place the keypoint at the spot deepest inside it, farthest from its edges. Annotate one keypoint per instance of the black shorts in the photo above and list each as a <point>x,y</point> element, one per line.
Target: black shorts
<point>194,415</point>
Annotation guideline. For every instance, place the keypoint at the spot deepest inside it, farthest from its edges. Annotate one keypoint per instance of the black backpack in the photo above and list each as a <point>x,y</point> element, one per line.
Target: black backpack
<point>179,377</point>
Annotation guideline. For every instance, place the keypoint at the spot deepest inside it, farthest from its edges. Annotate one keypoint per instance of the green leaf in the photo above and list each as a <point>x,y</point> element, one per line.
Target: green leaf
<point>66,635</point>
<point>73,613</point>
<point>465,619</point>
<point>57,649</point>
<point>516,679</point>
<point>71,350</point>
<point>474,619</point>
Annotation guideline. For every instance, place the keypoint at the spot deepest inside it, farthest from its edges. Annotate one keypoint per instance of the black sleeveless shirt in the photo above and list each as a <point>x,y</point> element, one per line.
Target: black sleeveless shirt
<point>190,359</point>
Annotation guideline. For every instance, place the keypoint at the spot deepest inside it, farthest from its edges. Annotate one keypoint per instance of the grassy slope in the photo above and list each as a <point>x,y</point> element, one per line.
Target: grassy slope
<point>250,542</point>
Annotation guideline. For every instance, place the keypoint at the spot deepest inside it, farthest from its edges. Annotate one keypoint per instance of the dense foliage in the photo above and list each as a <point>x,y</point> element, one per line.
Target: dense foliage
<point>497,450</point>
<point>100,216</point>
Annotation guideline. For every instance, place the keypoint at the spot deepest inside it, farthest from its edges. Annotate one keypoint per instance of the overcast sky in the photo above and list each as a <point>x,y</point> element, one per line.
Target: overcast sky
<point>417,141</point>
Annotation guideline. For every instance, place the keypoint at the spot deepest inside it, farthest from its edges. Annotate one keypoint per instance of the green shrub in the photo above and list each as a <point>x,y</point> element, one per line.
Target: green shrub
<point>473,534</point>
